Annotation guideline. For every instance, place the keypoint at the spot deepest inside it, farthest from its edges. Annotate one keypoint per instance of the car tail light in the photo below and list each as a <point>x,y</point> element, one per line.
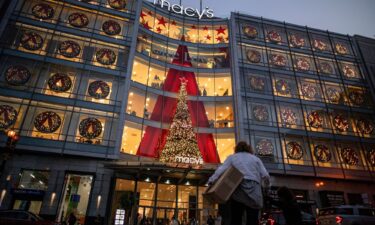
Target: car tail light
<point>338,219</point>
<point>317,222</point>
<point>270,221</point>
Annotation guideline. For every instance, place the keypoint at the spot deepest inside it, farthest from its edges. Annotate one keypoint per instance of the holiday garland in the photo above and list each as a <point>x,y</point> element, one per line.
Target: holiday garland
<point>69,49</point>
<point>47,122</point>
<point>341,123</point>
<point>260,113</point>
<point>274,36</point>
<point>322,153</point>
<point>90,128</point>
<point>278,60</point>
<point>294,150</point>
<point>257,83</point>
<point>315,119</point>
<point>8,116</point>
<point>111,27</point>
<point>356,97</point>
<point>253,56</point>
<point>43,11</point>
<point>283,87</point>
<point>350,156</point>
<point>288,116</point>
<point>296,41</point>
<point>303,64</point>
<point>59,82</point>
<point>98,89</point>
<point>309,91</point>
<point>117,4</point>
<point>17,75</point>
<point>31,40</point>
<point>250,31</point>
<point>105,56</point>
<point>341,49</point>
<point>325,67</point>
<point>78,20</point>
<point>264,147</point>
<point>365,126</point>
<point>333,95</point>
<point>320,45</point>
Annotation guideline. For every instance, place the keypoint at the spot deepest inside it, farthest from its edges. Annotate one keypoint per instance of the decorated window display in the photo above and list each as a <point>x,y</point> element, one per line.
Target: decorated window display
<point>365,126</point>
<point>8,116</point>
<point>350,156</point>
<point>320,45</point>
<point>257,83</point>
<point>322,153</point>
<point>341,123</point>
<point>59,82</point>
<point>43,11</point>
<point>117,4</point>
<point>31,40</point>
<point>294,150</point>
<point>98,89</point>
<point>371,157</point>
<point>341,48</point>
<point>264,147</point>
<point>333,94</point>
<point>325,68</point>
<point>260,113</point>
<point>111,27</point>
<point>90,128</point>
<point>78,20</point>
<point>274,36</point>
<point>349,71</point>
<point>278,60</point>
<point>17,75</point>
<point>283,87</point>
<point>309,90</point>
<point>296,41</point>
<point>253,56</point>
<point>47,122</point>
<point>302,64</point>
<point>315,119</point>
<point>288,116</point>
<point>250,31</point>
<point>105,56</point>
<point>69,49</point>
<point>356,97</point>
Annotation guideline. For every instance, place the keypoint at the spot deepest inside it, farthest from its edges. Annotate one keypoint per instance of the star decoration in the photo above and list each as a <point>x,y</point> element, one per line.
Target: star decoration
<point>174,23</point>
<point>143,15</point>
<point>220,30</point>
<point>145,25</point>
<point>205,28</point>
<point>158,29</point>
<point>162,21</point>
<point>219,39</point>
<point>208,37</point>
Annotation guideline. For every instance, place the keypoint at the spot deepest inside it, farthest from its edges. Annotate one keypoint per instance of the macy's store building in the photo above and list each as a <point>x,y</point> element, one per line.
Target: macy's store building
<point>95,87</point>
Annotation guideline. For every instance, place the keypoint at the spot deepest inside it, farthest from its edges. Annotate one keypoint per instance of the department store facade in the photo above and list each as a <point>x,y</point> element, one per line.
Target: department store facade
<point>91,87</point>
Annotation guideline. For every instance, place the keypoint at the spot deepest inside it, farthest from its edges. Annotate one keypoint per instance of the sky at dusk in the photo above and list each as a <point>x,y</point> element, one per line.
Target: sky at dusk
<point>341,16</point>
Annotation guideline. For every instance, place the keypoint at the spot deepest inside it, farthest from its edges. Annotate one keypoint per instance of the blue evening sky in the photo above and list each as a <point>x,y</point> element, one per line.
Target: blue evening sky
<point>341,16</point>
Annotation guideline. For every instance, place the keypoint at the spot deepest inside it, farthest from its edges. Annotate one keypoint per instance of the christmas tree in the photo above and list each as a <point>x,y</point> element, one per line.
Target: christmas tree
<point>181,145</point>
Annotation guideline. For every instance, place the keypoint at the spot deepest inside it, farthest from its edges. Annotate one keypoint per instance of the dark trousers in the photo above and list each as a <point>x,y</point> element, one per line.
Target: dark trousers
<point>237,210</point>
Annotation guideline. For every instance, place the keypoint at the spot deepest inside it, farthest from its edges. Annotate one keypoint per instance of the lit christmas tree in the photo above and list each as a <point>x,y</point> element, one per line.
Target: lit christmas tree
<point>181,145</point>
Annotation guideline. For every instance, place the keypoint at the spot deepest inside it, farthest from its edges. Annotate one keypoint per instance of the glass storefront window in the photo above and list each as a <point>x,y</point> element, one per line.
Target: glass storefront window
<point>34,179</point>
<point>146,193</point>
<point>76,196</point>
<point>166,196</point>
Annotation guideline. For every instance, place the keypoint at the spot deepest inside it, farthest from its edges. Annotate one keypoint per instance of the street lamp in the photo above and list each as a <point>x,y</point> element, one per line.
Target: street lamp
<point>9,147</point>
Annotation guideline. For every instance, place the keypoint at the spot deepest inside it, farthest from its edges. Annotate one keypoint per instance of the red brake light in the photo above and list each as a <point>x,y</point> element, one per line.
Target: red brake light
<point>338,219</point>
<point>270,222</point>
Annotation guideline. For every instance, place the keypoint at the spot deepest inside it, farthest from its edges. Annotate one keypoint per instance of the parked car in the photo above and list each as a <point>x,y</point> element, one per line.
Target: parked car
<point>346,215</point>
<point>20,217</point>
<point>276,217</point>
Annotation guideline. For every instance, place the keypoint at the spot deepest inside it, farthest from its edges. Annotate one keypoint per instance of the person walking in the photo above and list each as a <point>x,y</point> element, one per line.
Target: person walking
<point>288,204</point>
<point>72,219</point>
<point>248,195</point>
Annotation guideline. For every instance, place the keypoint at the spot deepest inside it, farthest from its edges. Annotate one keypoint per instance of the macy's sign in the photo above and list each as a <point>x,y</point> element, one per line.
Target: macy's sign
<point>180,9</point>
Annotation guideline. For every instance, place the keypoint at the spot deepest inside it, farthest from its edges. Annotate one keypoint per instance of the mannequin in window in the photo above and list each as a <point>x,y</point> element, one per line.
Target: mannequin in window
<point>226,92</point>
<point>146,114</point>
<point>204,92</point>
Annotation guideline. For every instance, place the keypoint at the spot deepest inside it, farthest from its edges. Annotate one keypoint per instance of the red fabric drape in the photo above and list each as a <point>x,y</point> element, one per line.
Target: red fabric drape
<point>154,139</point>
